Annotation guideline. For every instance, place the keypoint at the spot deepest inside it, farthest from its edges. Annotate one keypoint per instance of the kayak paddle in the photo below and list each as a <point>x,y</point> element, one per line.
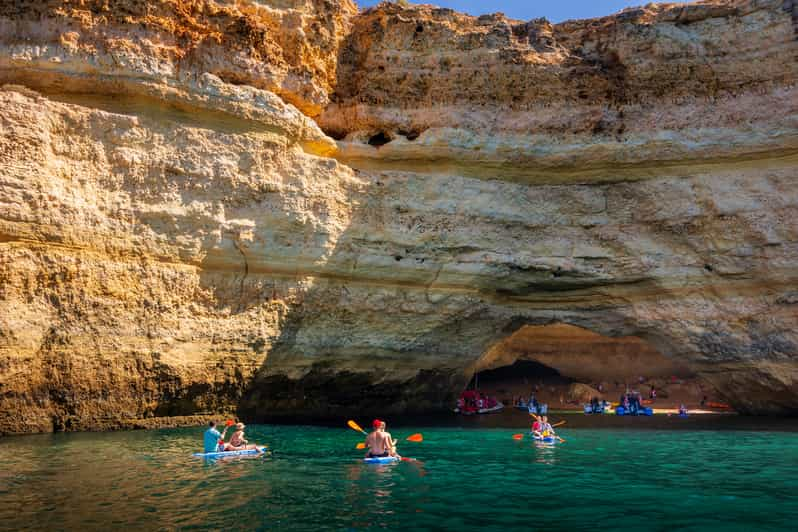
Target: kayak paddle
<point>417,438</point>
<point>559,423</point>
<point>355,426</point>
<point>518,436</point>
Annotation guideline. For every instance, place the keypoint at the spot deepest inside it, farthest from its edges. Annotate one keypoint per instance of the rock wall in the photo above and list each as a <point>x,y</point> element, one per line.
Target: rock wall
<point>179,237</point>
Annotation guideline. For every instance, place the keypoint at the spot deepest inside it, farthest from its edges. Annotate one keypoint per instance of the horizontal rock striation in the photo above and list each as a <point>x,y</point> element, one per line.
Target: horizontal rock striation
<point>286,47</point>
<point>181,235</point>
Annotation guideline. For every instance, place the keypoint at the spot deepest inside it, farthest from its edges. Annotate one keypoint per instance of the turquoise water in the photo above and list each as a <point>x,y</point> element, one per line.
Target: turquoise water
<point>464,480</point>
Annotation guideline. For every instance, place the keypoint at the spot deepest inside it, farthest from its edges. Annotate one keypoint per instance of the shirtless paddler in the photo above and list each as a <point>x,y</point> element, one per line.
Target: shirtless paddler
<point>379,442</point>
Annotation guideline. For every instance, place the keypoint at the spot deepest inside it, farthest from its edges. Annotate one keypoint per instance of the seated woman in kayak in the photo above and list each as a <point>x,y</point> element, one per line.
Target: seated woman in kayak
<point>237,441</point>
<point>546,429</point>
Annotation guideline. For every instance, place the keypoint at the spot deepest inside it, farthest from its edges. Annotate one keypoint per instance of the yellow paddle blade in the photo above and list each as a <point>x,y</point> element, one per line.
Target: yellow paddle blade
<point>355,426</point>
<point>415,437</point>
<point>518,436</point>
<point>361,445</point>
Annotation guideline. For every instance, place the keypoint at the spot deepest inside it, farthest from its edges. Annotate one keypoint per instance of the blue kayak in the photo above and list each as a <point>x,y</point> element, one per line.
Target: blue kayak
<point>646,411</point>
<point>222,454</point>
<point>543,439</point>
<point>382,460</point>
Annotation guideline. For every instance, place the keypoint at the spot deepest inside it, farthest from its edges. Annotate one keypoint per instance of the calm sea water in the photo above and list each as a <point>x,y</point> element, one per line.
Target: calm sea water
<point>465,479</point>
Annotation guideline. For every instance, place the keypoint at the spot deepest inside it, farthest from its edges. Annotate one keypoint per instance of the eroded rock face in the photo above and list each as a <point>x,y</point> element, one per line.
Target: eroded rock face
<point>179,237</point>
<point>288,47</point>
<point>590,100</point>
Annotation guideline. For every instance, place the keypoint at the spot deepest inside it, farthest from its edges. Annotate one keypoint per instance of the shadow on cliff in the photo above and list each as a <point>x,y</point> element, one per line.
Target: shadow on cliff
<point>378,330</point>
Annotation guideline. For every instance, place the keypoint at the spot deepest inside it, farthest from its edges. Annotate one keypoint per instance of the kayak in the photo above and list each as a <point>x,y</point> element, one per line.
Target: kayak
<point>543,439</point>
<point>382,460</point>
<point>257,450</point>
<point>621,411</point>
<point>471,412</point>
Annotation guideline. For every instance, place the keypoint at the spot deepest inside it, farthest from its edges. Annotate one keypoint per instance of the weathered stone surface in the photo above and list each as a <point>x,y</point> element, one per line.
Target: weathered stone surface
<point>146,264</point>
<point>581,393</point>
<point>176,238</point>
<point>618,98</point>
<point>288,47</point>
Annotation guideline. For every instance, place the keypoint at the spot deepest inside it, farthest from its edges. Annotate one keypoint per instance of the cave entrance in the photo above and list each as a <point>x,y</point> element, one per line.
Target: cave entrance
<point>565,366</point>
<point>520,378</point>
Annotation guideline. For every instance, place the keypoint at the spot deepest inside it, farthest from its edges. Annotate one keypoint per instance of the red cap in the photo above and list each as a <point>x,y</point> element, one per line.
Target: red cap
<point>376,423</point>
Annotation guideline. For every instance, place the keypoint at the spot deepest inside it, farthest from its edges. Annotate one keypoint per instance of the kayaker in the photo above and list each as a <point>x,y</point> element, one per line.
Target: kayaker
<point>546,428</point>
<point>379,442</point>
<point>536,427</point>
<point>212,439</point>
<point>237,441</point>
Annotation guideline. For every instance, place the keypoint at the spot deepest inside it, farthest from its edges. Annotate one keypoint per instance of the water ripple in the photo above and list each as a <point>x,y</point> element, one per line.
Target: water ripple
<point>463,479</point>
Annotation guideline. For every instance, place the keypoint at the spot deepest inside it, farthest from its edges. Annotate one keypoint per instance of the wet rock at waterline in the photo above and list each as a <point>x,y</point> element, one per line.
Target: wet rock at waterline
<point>299,210</point>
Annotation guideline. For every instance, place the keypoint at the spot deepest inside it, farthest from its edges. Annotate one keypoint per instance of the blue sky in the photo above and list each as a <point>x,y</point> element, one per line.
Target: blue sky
<point>554,10</point>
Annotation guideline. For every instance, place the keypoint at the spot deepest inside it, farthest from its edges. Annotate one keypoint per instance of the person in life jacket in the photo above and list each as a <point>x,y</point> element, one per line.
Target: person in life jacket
<point>546,429</point>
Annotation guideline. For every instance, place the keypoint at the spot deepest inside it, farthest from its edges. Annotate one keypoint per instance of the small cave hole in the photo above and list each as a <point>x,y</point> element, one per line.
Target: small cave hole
<point>380,139</point>
<point>412,134</point>
<point>708,268</point>
<point>336,134</point>
<point>419,28</point>
<point>397,258</point>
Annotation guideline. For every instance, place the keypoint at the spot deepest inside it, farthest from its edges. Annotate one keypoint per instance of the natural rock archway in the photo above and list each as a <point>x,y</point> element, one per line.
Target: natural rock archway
<point>581,354</point>
<point>561,363</point>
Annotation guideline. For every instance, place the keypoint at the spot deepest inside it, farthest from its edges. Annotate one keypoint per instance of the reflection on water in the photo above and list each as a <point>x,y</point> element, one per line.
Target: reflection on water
<point>546,453</point>
<point>465,479</point>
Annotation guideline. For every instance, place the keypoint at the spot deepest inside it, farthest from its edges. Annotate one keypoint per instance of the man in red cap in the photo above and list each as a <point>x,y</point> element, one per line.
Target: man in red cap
<point>379,442</point>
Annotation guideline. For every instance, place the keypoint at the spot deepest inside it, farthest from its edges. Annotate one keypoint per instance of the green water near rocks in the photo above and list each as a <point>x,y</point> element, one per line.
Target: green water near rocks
<point>465,479</point>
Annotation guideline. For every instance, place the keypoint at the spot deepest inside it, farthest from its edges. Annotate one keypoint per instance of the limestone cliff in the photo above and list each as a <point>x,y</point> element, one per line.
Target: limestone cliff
<point>180,234</point>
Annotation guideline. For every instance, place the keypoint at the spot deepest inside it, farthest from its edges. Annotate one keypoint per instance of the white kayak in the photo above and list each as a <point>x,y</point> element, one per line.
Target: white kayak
<point>498,407</point>
<point>221,454</point>
<point>544,439</point>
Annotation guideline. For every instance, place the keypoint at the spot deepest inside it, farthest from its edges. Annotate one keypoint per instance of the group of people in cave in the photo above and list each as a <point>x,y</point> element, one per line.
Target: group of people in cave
<point>531,404</point>
<point>631,402</point>
<point>598,406</point>
<point>471,401</point>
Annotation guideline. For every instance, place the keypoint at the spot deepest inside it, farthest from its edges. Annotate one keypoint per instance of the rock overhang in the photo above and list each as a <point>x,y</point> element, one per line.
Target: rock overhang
<point>634,180</point>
